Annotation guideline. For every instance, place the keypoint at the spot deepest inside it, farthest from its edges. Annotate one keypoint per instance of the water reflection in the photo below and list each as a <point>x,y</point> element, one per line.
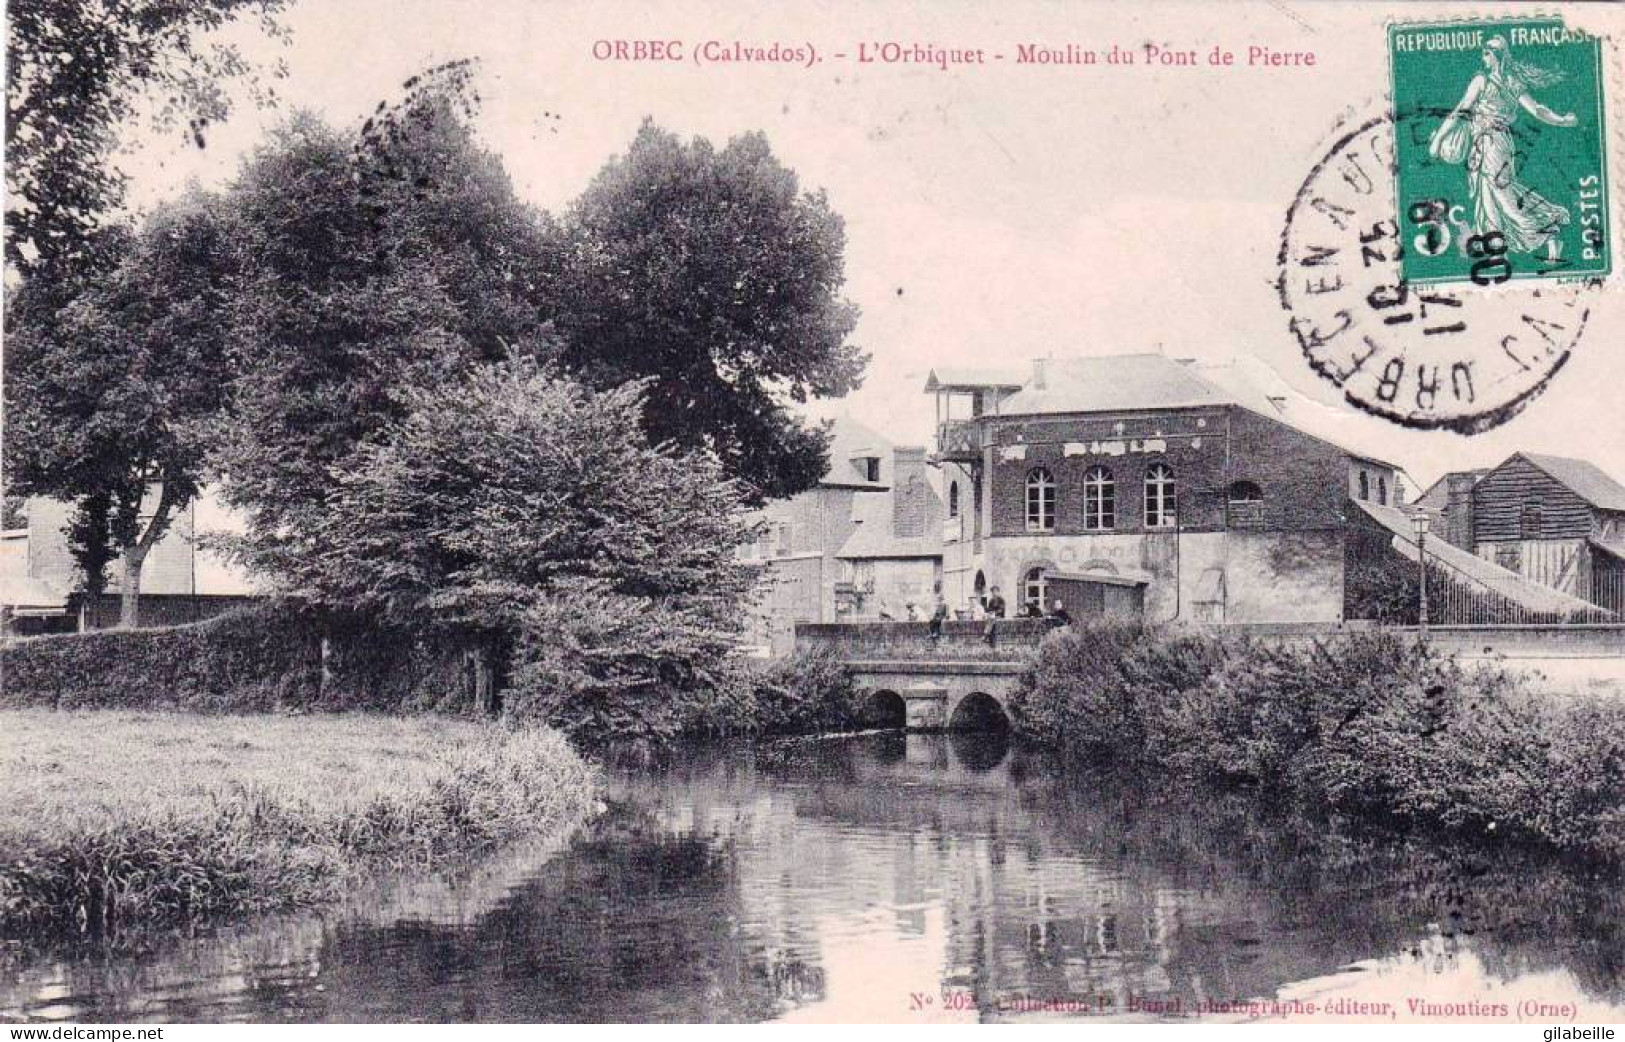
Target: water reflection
<point>890,877</point>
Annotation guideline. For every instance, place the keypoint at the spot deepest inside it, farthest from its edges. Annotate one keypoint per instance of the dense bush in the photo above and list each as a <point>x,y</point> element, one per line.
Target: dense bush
<point>603,667</point>
<point>494,515</point>
<point>810,692</point>
<point>1370,725</point>
<point>606,668</point>
<point>1075,694</point>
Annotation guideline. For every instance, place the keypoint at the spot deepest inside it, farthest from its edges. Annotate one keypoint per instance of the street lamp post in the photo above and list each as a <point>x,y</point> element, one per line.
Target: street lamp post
<point>1419,524</point>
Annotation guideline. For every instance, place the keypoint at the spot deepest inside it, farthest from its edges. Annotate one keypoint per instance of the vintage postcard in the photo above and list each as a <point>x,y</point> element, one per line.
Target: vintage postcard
<point>553,511</point>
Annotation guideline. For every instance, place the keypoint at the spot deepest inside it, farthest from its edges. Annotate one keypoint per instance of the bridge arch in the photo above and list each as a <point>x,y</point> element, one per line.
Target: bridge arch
<point>884,708</point>
<point>979,711</point>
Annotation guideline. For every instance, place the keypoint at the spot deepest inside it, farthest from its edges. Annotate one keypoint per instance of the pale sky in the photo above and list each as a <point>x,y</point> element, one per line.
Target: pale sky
<point>994,213</point>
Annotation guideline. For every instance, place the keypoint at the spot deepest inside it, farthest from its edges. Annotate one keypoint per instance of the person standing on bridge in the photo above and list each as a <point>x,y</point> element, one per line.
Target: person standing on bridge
<point>995,612</point>
<point>939,615</point>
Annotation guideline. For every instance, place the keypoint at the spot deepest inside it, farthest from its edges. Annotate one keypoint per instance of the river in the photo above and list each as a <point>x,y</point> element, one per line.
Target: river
<point>897,878</point>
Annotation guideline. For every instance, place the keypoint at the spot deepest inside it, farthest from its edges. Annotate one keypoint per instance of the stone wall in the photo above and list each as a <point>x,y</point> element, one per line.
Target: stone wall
<point>906,640</point>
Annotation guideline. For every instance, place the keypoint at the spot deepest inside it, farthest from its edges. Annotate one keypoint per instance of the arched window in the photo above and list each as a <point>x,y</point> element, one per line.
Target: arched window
<point>1033,587</point>
<point>1365,486</point>
<point>1382,490</point>
<point>979,589</point>
<point>953,499</point>
<point>1099,499</point>
<point>1245,492</point>
<point>1159,496</point>
<point>1040,500</point>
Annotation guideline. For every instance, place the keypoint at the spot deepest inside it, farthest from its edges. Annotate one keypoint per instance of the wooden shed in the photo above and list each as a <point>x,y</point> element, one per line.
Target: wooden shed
<point>1554,520</point>
<point>1091,596</point>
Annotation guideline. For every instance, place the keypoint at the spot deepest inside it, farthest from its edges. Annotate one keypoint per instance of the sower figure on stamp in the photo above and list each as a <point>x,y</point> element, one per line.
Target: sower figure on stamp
<point>1479,129</point>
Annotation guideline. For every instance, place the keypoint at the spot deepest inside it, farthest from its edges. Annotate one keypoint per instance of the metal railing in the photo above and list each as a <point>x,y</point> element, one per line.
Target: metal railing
<point>1456,597</point>
<point>959,439</point>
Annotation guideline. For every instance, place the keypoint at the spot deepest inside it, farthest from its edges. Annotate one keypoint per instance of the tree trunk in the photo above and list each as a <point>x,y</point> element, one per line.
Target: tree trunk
<point>327,668</point>
<point>485,695</point>
<point>135,556</point>
<point>129,616</point>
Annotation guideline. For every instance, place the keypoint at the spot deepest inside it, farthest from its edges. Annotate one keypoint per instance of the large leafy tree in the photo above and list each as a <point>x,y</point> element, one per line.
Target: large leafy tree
<point>391,259</point>
<point>512,496</point>
<point>76,73</point>
<point>107,396</point>
<point>712,274</point>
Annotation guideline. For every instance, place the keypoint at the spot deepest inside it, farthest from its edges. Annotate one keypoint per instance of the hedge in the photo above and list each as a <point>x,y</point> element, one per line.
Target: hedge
<point>269,659</point>
<point>264,659</point>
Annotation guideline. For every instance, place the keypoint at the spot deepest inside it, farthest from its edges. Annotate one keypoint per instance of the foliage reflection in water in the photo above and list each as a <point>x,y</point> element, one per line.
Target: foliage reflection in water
<point>890,877</point>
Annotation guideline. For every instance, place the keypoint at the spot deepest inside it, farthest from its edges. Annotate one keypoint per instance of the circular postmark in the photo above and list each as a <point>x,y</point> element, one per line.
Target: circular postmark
<point>1454,357</point>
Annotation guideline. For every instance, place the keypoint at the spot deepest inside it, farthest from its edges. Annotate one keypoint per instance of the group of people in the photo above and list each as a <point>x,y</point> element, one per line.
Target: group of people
<point>994,607</point>
<point>990,609</point>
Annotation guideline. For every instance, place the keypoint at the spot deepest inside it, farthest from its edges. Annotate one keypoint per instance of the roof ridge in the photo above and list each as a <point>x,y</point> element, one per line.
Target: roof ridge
<point>1589,495</point>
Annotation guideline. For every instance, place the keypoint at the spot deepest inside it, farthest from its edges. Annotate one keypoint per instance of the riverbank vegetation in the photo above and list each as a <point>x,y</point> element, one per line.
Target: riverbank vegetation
<point>269,660</point>
<point>122,819</point>
<point>1369,726</point>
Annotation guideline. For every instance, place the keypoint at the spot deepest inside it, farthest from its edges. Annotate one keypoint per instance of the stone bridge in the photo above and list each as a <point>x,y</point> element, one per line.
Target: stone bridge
<point>936,696</point>
<point>955,681</point>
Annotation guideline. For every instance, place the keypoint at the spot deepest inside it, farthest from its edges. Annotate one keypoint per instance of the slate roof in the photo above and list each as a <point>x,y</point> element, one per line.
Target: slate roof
<point>852,439</point>
<point>1582,477</point>
<point>1243,386</point>
<point>1612,548</point>
<point>953,379</point>
<point>1111,384</point>
<point>1119,383</point>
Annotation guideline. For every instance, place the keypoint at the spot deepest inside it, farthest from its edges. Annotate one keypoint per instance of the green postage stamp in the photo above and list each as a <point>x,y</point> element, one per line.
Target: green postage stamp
<point>1500,151</point>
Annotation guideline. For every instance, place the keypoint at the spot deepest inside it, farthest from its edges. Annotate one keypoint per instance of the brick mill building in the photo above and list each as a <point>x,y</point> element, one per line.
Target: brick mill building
<point>1147,486</point>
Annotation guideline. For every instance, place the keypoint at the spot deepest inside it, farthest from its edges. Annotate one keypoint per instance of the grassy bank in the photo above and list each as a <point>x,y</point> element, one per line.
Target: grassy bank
<point>1368,727</point>
<point>118,819</point>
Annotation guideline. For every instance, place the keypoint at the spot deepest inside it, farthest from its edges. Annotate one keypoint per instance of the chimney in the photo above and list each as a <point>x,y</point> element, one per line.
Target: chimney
<point>909,491</point>
<point>1040,373</point>
<point>1458,509</point>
